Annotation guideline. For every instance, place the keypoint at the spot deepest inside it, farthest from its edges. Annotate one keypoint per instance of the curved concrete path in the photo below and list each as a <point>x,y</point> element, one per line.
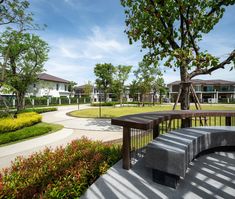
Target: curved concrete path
<point>74,128</point>
<point>60,117</point>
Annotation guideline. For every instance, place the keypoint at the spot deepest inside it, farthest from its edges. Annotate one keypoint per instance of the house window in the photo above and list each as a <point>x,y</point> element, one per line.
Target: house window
<point>57,87</point>
<point>197,88</point>
<point>34,85</point>
<point>225,88</point>
<point>65,87</point>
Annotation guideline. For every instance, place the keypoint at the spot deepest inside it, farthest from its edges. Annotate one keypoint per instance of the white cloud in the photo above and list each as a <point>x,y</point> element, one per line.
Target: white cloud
<point>75,58</point>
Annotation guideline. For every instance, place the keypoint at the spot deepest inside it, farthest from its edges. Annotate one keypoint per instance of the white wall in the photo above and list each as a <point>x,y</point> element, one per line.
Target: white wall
<point>48,88</point>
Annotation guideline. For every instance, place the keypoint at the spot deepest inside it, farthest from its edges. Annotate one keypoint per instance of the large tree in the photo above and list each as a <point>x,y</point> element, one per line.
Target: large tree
<point>104,73</point>
<point>27,54</point>
<point>15,14</point>
<point>170,31</point>
<point>121,76</point>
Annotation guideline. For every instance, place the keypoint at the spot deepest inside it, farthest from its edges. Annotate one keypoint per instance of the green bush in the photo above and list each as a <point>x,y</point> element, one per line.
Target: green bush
<point>23,119</point>
<point>40,110</point>
<point>40,101</point>
<point>115,103</point>
<point>3,114</point>
<point>60,173</point>
<point>28,132</point>
<point>104,103</point>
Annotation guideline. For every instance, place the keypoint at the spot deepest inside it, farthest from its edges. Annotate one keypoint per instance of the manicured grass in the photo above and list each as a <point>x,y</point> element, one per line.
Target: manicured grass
<point>29,132</point>
<point>111,112</point>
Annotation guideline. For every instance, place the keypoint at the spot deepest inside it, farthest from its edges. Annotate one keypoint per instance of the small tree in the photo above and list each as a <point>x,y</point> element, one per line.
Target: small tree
<point>121,75</point>
<point>71,87</point>
<point>134,89</point>
<point>158,86</point>
<point>27,54</point>
<point>171,31</point>
<point>145,76</point>
<point>104,73</point>
<point>88,87</point>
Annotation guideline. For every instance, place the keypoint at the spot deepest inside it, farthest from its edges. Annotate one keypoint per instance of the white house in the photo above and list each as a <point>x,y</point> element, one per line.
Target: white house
<point>49,85</point>
<point>212,91</point>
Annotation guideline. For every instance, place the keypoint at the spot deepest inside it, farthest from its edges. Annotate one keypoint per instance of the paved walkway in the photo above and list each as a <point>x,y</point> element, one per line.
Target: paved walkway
<point>74,128</point>
<point>210,176</point>
<point>60,117</point>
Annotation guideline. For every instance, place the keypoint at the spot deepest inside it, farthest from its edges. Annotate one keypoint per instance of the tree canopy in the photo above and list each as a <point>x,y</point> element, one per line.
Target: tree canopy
<point>120,77</point>
<point>145,76</point>
<point>14,15</point>
<point>171,30</point>
<point>104,73</point>
<point>27,54</point>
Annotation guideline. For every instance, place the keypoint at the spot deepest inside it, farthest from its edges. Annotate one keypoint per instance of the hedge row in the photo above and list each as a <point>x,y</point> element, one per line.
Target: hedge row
<point>42,101</point>
<point>116,103</point>
<point>40,110</point>
<point>60,173</point>
<point>4,114</point>
<point>24,119</point>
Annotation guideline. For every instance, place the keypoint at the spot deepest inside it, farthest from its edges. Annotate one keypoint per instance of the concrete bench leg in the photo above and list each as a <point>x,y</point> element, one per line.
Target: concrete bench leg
<point>164,178</point>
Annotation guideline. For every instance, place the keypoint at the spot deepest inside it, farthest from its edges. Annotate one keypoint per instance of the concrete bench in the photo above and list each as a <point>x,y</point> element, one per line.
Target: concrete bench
<point>170,154</point>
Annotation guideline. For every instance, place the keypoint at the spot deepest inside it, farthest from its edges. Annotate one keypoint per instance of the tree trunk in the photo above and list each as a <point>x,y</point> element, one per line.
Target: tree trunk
<point>160,97</point>
<point>105,96</point>
<point>154,99</point>
<point>20,101</point>
<point>184,98</point>
<point>185,94</point>
<point>121,101</point>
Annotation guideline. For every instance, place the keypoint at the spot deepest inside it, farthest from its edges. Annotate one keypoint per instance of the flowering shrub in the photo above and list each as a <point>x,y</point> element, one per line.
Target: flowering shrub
<point>62,173</point>
<point>22,120</point>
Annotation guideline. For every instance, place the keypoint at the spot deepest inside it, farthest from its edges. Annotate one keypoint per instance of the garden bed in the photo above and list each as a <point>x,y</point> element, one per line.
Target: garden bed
<point>60,173</point>
<point>9,124</point>
<point>29,132</point>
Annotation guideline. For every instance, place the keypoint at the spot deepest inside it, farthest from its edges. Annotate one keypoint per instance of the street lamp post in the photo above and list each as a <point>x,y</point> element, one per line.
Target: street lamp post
<point>78,101</point>
<point>99,105</point>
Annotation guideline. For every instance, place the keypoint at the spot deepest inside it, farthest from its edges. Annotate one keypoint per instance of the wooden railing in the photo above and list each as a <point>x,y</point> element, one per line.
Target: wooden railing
<point>140,129</point>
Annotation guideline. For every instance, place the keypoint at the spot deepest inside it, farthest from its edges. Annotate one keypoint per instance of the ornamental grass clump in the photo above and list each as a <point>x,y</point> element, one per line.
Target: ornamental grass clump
<point>60,173</point>
<point>23,120</point>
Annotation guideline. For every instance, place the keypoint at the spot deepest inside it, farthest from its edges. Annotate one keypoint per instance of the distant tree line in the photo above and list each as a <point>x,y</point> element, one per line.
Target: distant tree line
<point>112,79</point>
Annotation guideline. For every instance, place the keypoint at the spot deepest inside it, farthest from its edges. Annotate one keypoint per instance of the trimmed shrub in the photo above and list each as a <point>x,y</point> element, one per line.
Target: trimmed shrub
<point>60,173</point>
<point>23,119</point>
<point>29,132</point>
<point>104,103</point>
<point>40,110</point>
<point>3,114</point>
<point>116,103</point>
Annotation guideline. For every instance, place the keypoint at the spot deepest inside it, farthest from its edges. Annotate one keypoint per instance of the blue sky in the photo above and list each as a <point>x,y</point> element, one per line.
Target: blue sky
<point>82,33</point>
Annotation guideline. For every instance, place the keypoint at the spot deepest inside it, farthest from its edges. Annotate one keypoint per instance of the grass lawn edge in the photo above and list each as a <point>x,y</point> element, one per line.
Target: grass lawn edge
<point>55,128</point>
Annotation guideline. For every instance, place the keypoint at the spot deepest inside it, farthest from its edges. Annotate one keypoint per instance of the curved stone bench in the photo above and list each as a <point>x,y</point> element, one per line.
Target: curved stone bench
<point>170,154</point>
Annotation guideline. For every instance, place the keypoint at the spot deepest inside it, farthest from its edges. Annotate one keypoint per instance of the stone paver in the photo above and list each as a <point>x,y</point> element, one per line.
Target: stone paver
<point>210,176</point>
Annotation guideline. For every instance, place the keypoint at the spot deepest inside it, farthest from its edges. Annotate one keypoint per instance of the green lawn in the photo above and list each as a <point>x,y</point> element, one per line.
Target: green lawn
<point>29,132</point>
<point>111,112</point>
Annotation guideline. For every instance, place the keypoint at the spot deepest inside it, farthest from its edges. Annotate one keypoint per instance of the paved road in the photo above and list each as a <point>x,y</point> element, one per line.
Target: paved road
<point>74,128</point>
